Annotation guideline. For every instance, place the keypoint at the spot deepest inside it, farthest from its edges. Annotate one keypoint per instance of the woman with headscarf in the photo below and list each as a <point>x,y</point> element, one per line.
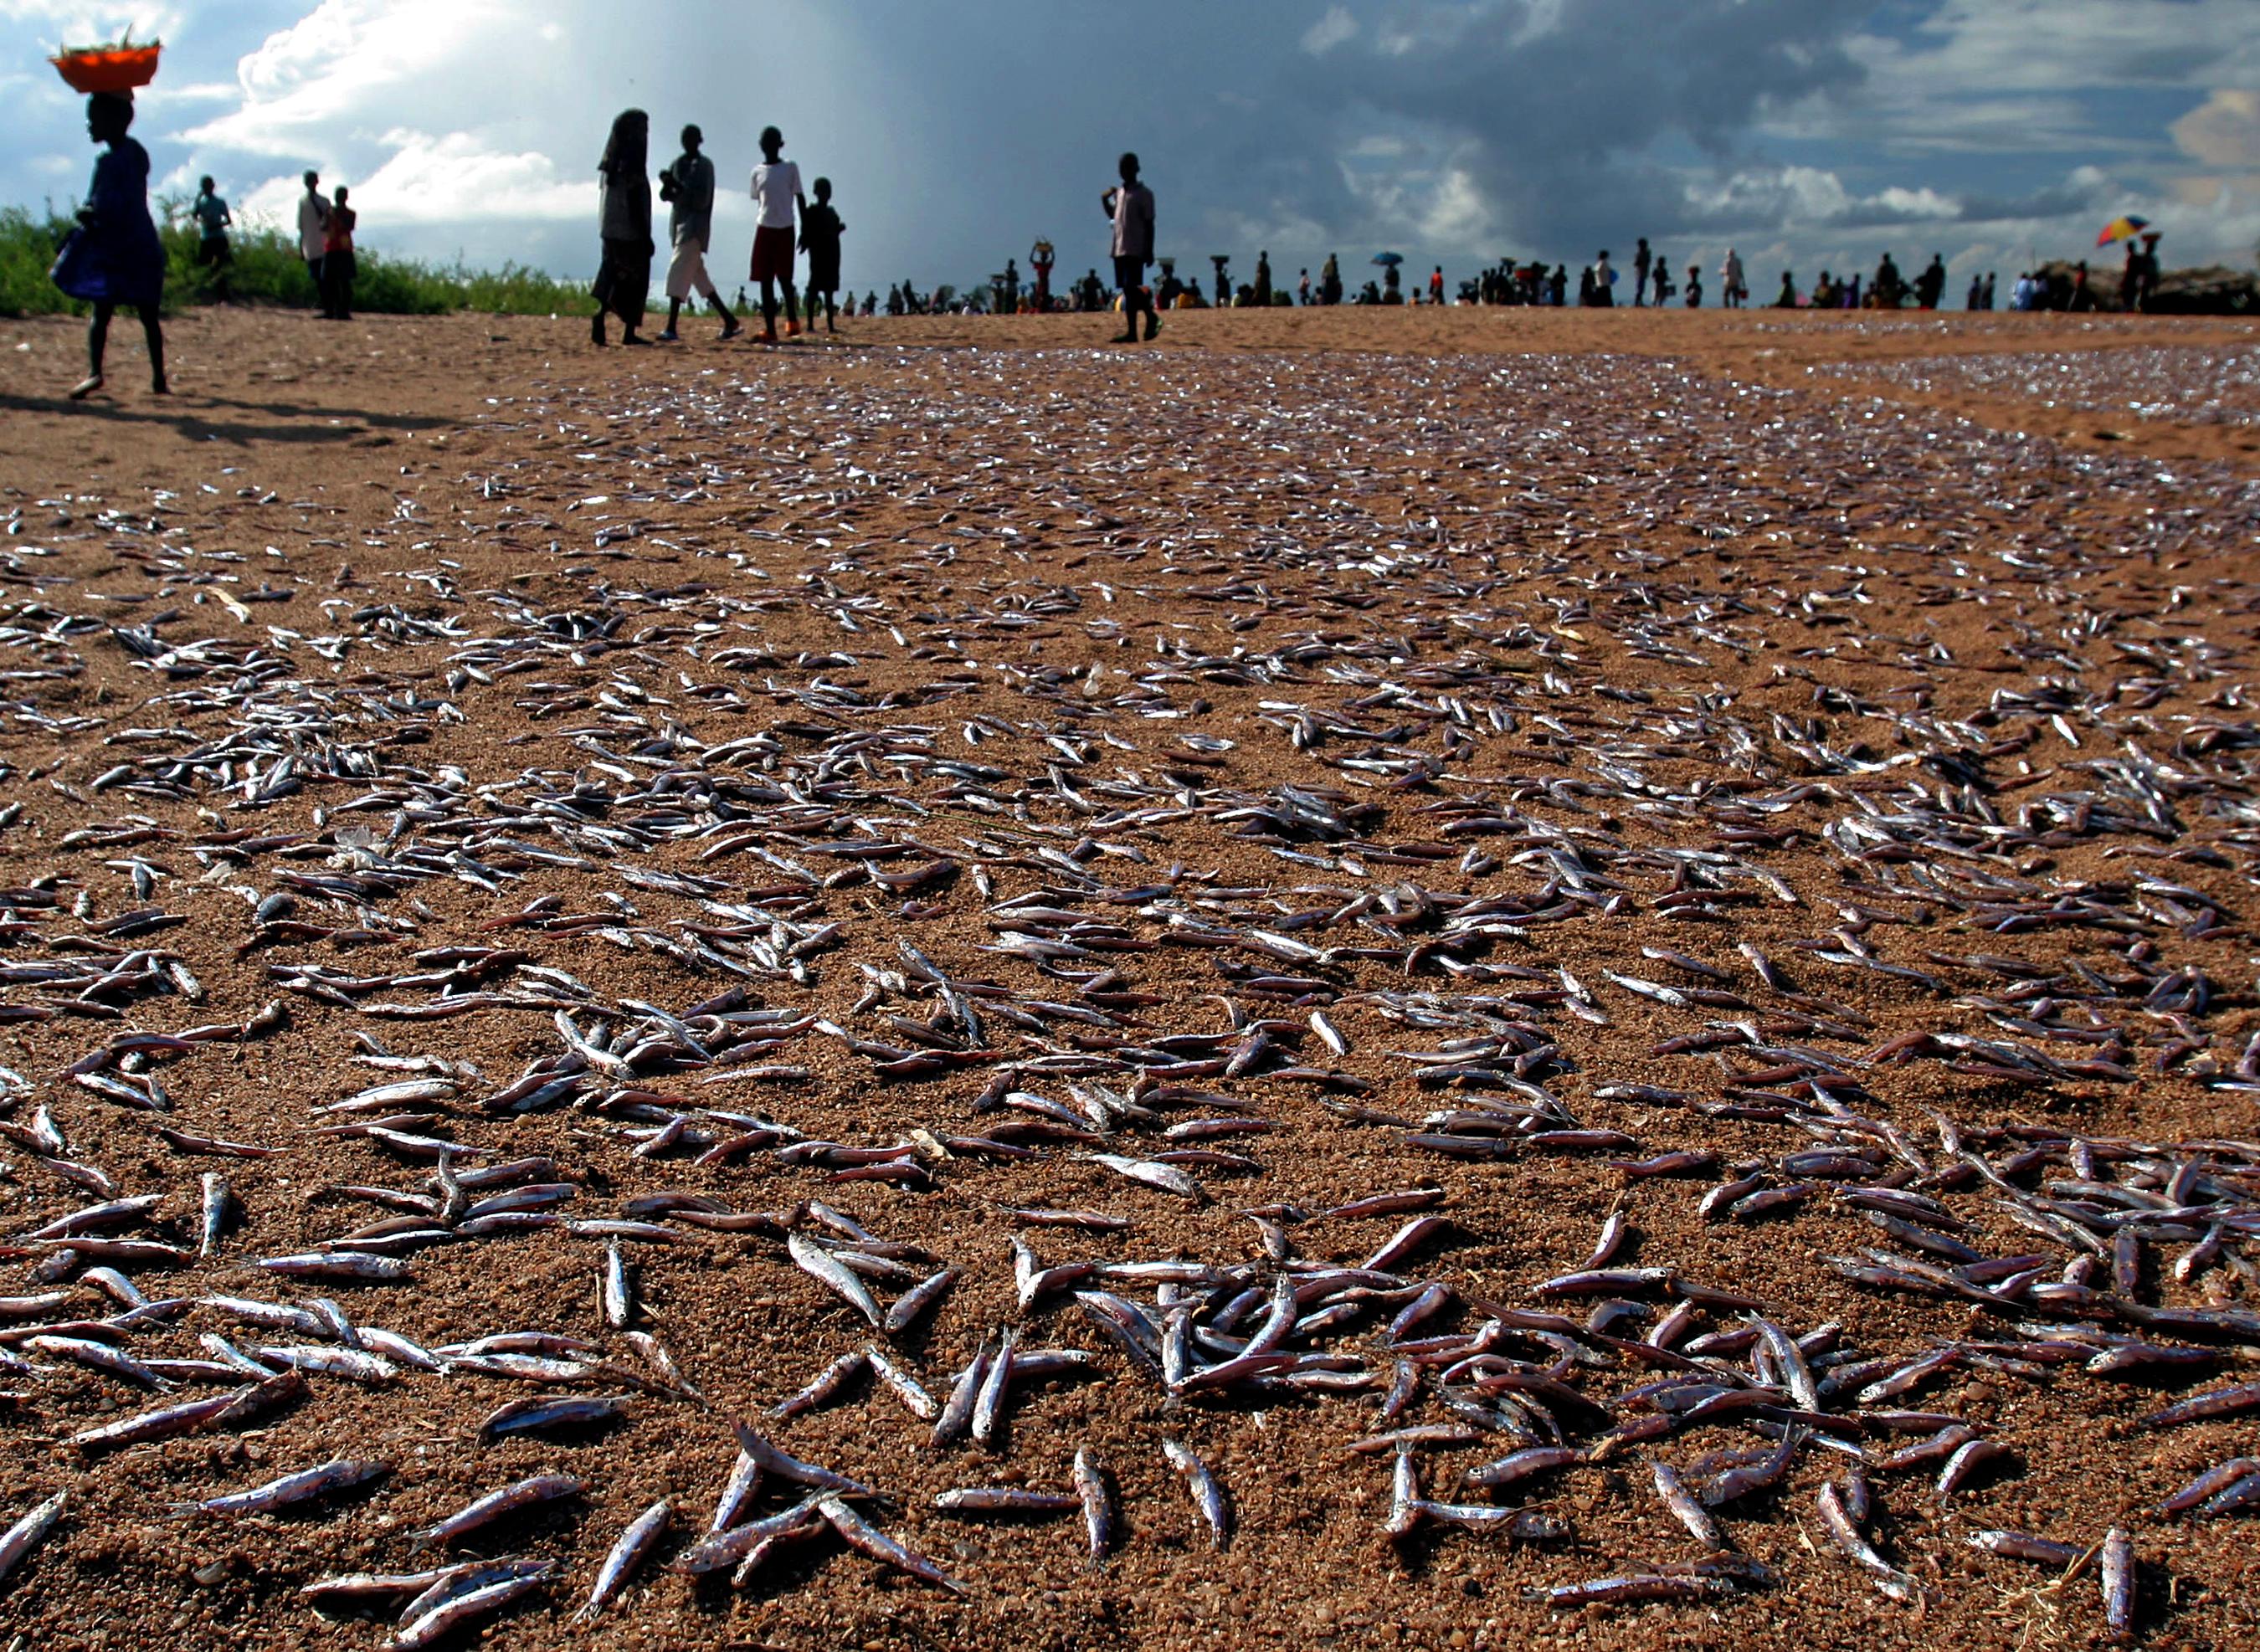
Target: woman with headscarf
<point>114,257</point>
<point>623,277</point>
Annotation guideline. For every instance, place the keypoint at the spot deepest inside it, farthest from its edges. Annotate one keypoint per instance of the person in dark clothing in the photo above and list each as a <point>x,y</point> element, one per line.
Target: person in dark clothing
<point>114,257</point>
<point>1694,285</point>
<point>1641,259</point>
<point>821,229</point>
<point>1988,303</point>
<point>213,251</point>
<point>1130,205</point>
<point>1264,278</point>
<point>339,267</point>
<point>624,220</point>
<point>1557,285</point>
<point>1586,289</point>
<point>1662,280</point>
<point>1887,288</point>
<point>1330,282</point>
<point>1787,299</point>
<point>1930,286</point>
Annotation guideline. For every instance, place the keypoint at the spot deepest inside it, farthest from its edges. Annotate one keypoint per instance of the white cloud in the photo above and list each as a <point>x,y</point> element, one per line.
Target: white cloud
<point>1335,29</point>
<point>348,58</point>
<point>453,179</point>
<point>2224,131</point>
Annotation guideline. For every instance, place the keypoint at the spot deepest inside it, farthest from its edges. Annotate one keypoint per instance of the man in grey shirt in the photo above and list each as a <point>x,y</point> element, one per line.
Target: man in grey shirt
<point>688,186</point>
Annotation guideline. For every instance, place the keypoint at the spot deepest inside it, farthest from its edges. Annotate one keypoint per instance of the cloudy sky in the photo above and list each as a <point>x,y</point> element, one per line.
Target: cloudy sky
<point>1804,134</point>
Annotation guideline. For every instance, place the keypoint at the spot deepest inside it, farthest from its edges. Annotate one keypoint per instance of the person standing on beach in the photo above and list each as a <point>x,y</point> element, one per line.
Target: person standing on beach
<point>1330,282</point>
<point>1262,280</point>
<point>777,192</point>
<point>624,220</point>
<point>1130,205</point>
<point>1694,285</point>
<point>313,228</point>
<point>1303,290</point>
<point>339,267</point>
<point>1730,281</point>
<point>1641,259</point>
<point>821,229</point>
<point>1662,280</point>
<point>213,252</point>
<point>1436,285</point>
<point>688,187</point>
<point>1604,281</point>
<point>1040,258</point>
<point>114,257</point>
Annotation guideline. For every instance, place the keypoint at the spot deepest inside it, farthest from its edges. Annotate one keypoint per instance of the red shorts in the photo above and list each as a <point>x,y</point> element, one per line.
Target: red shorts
<point>773,254</point>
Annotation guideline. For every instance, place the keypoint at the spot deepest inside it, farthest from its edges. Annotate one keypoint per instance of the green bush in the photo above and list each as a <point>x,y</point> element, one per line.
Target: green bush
<point>267,269</point>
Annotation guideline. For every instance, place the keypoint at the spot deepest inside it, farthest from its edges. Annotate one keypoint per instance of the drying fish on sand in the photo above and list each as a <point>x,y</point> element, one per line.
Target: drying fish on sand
<point>916,994</point>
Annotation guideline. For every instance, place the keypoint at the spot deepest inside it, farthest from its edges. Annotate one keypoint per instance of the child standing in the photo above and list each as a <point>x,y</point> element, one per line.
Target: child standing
<point>777,190</point>
<point>821,229</point>
<point>338,266</point>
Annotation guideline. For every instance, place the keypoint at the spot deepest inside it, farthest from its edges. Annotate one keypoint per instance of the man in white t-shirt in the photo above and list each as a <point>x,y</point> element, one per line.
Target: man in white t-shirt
<point>313,227</point>
<point>777,192</point>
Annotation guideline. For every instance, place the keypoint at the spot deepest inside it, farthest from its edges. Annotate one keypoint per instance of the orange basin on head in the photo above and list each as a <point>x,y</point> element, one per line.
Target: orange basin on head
<point>114,71</point>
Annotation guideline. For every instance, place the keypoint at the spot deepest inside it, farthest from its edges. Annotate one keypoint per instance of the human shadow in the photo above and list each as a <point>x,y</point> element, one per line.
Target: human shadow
<point>187,421</point>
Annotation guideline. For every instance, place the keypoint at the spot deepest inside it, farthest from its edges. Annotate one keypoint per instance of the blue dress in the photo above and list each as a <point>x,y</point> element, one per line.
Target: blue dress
<point>116,258</point>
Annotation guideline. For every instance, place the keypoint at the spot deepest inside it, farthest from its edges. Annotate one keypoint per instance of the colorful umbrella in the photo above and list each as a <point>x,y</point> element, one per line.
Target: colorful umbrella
<point>1389,258</point>
<point>2121,229</point>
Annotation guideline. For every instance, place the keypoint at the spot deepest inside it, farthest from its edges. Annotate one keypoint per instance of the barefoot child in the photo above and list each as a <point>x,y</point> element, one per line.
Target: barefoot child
<point>777,190</point>
<point>821,229</point>
<point>113,257</point>
<point>688,186</point>
<point>1131,207</point>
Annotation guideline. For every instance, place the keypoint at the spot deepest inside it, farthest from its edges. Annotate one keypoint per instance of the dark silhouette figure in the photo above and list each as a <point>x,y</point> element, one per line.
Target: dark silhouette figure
<point>1641,259</point>
<point>114,257</point>
<point>821,229</point>
<point>338,265</point>
<point>1887,290</point>
<point>1930,286</point>
<point>622,283</point>
<point>1263,279</point>
<point>1130,205</point>
<point>214,252</point>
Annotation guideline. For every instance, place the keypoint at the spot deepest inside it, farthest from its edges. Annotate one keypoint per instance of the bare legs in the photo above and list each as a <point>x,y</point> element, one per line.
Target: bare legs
<point>98,344</point>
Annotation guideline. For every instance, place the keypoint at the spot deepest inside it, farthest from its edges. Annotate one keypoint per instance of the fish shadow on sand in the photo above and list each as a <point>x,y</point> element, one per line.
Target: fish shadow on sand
<point>187,421</point>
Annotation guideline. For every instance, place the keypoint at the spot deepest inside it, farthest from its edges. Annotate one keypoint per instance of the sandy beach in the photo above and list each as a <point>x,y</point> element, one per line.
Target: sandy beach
<point>1321,754</point>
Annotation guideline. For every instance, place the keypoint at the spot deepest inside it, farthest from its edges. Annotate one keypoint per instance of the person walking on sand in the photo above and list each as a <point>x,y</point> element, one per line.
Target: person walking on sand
<point>622,283</point>
<point>313,228</point>
<point>688,187</point>
<point>821,229</point>
<point>114,257</point>
<point>776,192</point>
<point>339,267</point>
<point>1130,205</point>
<point>1730,281</point>
<point>1641,259</point>
<point>214,250</point>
